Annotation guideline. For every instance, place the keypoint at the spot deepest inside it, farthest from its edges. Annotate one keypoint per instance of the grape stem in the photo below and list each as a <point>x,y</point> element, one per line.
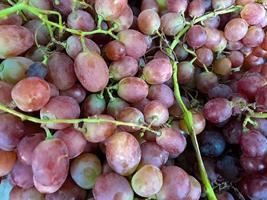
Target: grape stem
<point>187,114</point>
<point>24,117</point>
<point>248,119</point>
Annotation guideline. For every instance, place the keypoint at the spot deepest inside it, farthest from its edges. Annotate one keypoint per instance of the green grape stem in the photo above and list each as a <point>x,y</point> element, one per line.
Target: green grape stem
<point>25,117</point>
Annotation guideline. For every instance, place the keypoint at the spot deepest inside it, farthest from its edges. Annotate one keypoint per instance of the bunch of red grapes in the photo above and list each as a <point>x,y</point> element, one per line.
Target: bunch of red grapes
<point>126,100</point>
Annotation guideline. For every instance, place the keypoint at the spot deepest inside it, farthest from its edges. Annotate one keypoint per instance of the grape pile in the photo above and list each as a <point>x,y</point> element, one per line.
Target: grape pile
<point>133,100</point>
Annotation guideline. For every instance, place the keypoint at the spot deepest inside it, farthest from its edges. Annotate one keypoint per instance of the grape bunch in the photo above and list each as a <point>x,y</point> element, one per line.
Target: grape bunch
<point>133,100</point>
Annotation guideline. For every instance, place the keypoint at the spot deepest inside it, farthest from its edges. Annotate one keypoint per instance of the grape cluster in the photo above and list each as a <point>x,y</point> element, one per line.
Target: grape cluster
<point>133,100</point>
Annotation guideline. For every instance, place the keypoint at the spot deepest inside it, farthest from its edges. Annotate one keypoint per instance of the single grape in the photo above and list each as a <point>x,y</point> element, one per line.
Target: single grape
<point>5,93</point>
<point>94,104</point>
<point>199,122</point>
<point>147,181</point>
<point>74,140</point>
<point>172,141</point>
<point>228,167</point>
<point>261,125</point>
<point>195,189</point>
<point>222,44</point>
<point>171,23</point>
<point>235,24</point>
<point>25,151</point>
<point>234,46</point>
<point>212,22</point>
<point>236,58</point>
<point>14,41</point>
<point>253,144</point>
<point>220,91</point>
<point>222,4</point>
<point>249,84</point>
<point>109,9</point>
<point>211,143</point>
<point>138,88</point>
<point>162,93</point>
<point>98,132</point>
<point>157,71</point>
<point>134,42</point>
<point>74,46</point>
<point>60,107</point>
<point>217,110</point>
<point>148,21</point>
<point>92,71</point>
<point>11,131</point>
<point>54,91</point>
<point>149,4</point>
<point>125,67</point>
<point>50,164</point>
<point>204,56</point>
<point>112,186</point>
<point>176,183</point>
<point>35,54</point>
<point>7,162</point>
<point>186,71</point>
<point>115,106</point>
<point>254,36</point>
<point>253,13</point>
<point>81,20</point>
<point>18,193</point>
<point>85,169</point>
<point>12,19</point>
<point>123,153</point>
<point>77,92</point>
<point>156,113</point>
<point>213,37</point>
<point>21,175</point>
<point>261,99</point>
<point>131,115</point>
<point>14,69</point>
<point>206,80</point>
<point>177,5</point>
<point>125,20</point>
<point>37,69</point>
<point>69,190</point>
<point>153,154</point>
<point>196,36</point>
<point>114,50</point>
<point>39,30</point>
<point>222,66</point>
<point>253,164</point>
<point>196,8</point>
<point>64,7</point>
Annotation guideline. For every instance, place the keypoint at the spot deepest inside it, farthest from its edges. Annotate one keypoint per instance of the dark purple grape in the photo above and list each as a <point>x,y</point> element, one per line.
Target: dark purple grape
<point>220,91</point>
<point>211,143</point>
<point>232,131</point>
<point>253,144</point>
<point>206,80</point>
<point>217,110</point>
<point>224,196</point>
<point>227,167</point>
<point>37,69</point>
<point>253,164</point>
<point>261,126</point>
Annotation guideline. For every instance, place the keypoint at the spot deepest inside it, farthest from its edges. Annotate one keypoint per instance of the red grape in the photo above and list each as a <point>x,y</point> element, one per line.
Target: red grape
<point>85,169</point>
<point>110,9</point>
<point>261,99</point>
<point>61,71</point>
<point>196,36</point>
<point>18,193</point>
<point>153,154</point>
<point>254,36</point>
<point>91,70</point>
<point>212,22</point>
<point>138,88</point>
<point>235,24</point>
<point>177,5</point>
<point>220,91</point>
<point>74,140</point>
<point>217,110</point>
<point>15,40</point>
<point>234,46</point>
<point>149,4</point>
<point>60,107</point>
<point>124,67</point>
<point>222,66</point>
<point>252,164</point>
<point>171,140</point>
<point>31,94</point>
<point>253,13</point>
<point>98,132</point>
<point>156,113</point>
<point>171,23</point>
<point>123,153</point>
<point>94,104</point>
<point>81,20</point>
<point>76,91</point>
<point>125,20</point>
<point>213,37</point>
<point>162,93</point>
<point>148,21</point>
<point>115,106</point>
<point>7,161</point>
<point>13,19</point>
<point>134,42</point>
<point>5,93</point>
<point>112,186</point>
<point>204,56</point>
<point>206,80</point>
<point>115,50</point>
<point>21,175</point>
<point>24,150</point>
<point>222,4</point>
<point>147,181</point>
<point>176,184</point>
<point>196,8</point>
<point>236,58</point>
<point>157,71</point>
<point>50,163</point>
